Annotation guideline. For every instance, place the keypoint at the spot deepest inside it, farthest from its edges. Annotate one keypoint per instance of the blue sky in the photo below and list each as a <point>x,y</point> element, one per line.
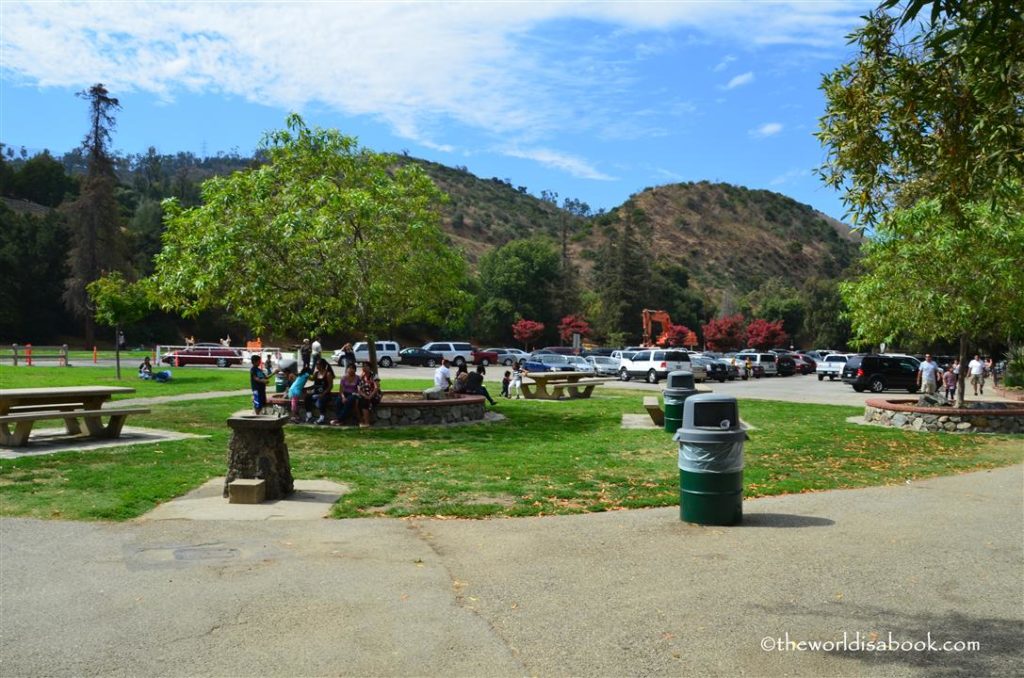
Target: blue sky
<point>594,101</point>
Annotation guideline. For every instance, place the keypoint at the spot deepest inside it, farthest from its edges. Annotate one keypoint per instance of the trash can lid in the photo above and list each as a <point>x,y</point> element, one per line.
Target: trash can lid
<point>710,435</point>
<point>680,379</point>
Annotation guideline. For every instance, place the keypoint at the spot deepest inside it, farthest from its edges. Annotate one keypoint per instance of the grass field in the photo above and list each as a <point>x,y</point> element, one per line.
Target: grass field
<point>185,379</point>
<point>547,457</point>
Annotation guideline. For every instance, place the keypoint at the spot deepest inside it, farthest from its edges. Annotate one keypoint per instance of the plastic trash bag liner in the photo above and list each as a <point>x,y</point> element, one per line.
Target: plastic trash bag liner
<point>724,457</point>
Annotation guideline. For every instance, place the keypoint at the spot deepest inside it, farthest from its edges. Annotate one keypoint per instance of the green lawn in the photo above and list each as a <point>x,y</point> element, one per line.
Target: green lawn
<point>547,457</point>
<point>185,379</point>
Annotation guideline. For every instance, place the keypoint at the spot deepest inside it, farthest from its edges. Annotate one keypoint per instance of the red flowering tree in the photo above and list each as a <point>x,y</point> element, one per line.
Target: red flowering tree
<point>570,325</point>
<point>762,334</point>
<point>675,335</point>
<point>526,331</point>
<point>725,334</point>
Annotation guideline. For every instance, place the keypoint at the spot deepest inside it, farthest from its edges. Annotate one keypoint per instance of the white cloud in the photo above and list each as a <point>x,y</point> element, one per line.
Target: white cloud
<point>788,177</point>
<point>769,129</point>
<point>740,80</point>
<point>418,67</point>
<point>724,63</point>
<point>575,166</point>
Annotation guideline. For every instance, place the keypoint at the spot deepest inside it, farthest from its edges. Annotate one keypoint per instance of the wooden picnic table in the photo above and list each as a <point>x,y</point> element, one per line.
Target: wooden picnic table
<point>558,385</point>
<point>22,407</point>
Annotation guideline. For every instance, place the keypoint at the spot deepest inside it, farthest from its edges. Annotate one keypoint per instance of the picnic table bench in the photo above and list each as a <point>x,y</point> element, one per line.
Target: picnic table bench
<point>21,408</point>
<point>559,385</point>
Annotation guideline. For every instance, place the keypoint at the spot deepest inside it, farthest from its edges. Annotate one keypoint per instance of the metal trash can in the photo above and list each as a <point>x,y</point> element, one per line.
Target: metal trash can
<point>711,461</point>
<point>680,387</point>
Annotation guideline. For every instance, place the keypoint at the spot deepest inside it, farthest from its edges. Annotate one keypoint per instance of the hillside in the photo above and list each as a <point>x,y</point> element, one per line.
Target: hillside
<point>727,237</point>
<point>733,238</point>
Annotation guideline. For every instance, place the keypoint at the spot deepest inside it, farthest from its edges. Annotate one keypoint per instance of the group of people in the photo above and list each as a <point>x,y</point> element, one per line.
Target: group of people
<point>311,388</point>
<point>930,376</point>
<point>472,383</point>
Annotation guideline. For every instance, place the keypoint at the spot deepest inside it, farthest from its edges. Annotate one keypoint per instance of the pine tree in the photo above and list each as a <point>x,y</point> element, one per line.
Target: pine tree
<point>93,218</point>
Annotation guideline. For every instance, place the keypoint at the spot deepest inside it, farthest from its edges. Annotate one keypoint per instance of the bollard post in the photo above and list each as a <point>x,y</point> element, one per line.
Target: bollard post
<point>94,356</point>
<point>63,362</point>
<point>14,348</point>
<point>28,354</point>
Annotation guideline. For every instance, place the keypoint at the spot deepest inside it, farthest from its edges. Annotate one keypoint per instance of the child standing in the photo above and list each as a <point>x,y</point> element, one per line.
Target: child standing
<point>258,383</point>
<point>517,381</point>
<point>295,393</point>
<point>505,382</point>
<point>949,380</point>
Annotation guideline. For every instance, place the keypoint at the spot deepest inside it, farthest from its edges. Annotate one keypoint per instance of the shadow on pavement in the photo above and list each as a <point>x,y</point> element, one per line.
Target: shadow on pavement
<point>783,520</point>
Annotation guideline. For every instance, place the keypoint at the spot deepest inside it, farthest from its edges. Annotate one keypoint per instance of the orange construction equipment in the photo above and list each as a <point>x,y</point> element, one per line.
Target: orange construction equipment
<point>660,317</point>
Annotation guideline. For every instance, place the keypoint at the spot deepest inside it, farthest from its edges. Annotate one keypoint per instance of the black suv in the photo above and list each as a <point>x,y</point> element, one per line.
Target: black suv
<point>880,372</point>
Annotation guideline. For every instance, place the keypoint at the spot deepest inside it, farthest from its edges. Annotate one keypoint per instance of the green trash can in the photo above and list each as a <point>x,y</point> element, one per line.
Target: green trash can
<point>680,387</point>
<point>711,461</point>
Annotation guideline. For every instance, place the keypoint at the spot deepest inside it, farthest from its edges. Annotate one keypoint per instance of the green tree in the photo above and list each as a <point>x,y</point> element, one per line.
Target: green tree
<point>517,280</point>
<point>324,236</point>
<point>622,274</point>
<point>927,110</point>
<point>42,180</point>
<point>825,322</point>
<point>118,303</point>
<point>915,285</point>
<point>93,218</point>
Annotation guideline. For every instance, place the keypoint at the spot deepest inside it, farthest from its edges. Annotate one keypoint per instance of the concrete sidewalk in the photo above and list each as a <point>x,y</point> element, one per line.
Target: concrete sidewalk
<point>625,593</point>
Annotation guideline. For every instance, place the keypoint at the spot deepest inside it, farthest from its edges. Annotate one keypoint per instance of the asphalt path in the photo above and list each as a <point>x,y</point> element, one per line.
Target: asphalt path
<point>622,593</point>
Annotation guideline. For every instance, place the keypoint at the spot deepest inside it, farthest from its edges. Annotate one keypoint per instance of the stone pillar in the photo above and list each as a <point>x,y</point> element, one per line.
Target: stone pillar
<point>257,450</point>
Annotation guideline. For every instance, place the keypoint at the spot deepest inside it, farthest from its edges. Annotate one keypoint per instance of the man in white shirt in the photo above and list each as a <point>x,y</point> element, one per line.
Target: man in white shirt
<point>443,376</point>
<point>928,376</point>
<point>976,369</point>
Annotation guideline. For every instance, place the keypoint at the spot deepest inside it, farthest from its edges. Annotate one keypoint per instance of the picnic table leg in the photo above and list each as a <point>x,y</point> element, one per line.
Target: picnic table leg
<point>17,438</point>
<point>536,391</point>
<point>111,430</point>
<point>576,392</point>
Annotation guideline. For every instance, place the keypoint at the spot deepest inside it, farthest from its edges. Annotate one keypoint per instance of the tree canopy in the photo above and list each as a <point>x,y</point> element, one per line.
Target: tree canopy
<point>324,236</point>
<point>928,110</point>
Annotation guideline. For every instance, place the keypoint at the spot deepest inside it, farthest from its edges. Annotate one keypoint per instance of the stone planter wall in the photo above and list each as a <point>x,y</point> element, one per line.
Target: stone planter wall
<point>907,415</point>
<point>427,412</point>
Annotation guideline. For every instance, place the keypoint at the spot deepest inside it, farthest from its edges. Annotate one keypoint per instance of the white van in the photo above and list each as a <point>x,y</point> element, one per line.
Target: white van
<point>457,352</point>
<point>765,360</point>
<point>387,353</point>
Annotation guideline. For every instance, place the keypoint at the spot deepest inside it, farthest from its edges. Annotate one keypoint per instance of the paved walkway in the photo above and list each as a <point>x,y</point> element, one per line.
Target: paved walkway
<point>622,593</point>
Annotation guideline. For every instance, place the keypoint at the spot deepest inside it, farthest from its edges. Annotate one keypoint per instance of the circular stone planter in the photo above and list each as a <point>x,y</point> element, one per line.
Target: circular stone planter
<point>409,408</point>
<point>980,418</point>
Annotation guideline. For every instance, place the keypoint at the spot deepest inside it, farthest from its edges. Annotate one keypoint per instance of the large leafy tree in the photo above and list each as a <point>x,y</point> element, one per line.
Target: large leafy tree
<point>119,302</point>
<point>762,334</point>
<point>725,334</point>
<point>910,287</point>
<point>927,109</point>
<point>324,236</point>
<point>517,280</point>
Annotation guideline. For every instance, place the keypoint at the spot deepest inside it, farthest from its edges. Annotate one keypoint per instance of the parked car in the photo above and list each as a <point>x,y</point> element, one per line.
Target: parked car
<point>766,361</point>
<point>654,365</point>
<point>508,356</point>
<point>419,356</point>
<point>596,351</point>
<point>879,372</point>
<point>832,366</point>
<point>387,353</point>
<point>721,369</point>
<point>785,365</point>
<point>560,350</point>
<point>547,362</point>
<point>603,365</point>
<point>804,363</point>
<point>580,364</point>
<point>203,354</point>
<point>458,352</point>
<point>485,357</point>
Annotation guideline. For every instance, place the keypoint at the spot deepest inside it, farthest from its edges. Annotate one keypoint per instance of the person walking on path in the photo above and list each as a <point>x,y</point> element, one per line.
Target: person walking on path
<point>976,370</point>
<point>928,376</point>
